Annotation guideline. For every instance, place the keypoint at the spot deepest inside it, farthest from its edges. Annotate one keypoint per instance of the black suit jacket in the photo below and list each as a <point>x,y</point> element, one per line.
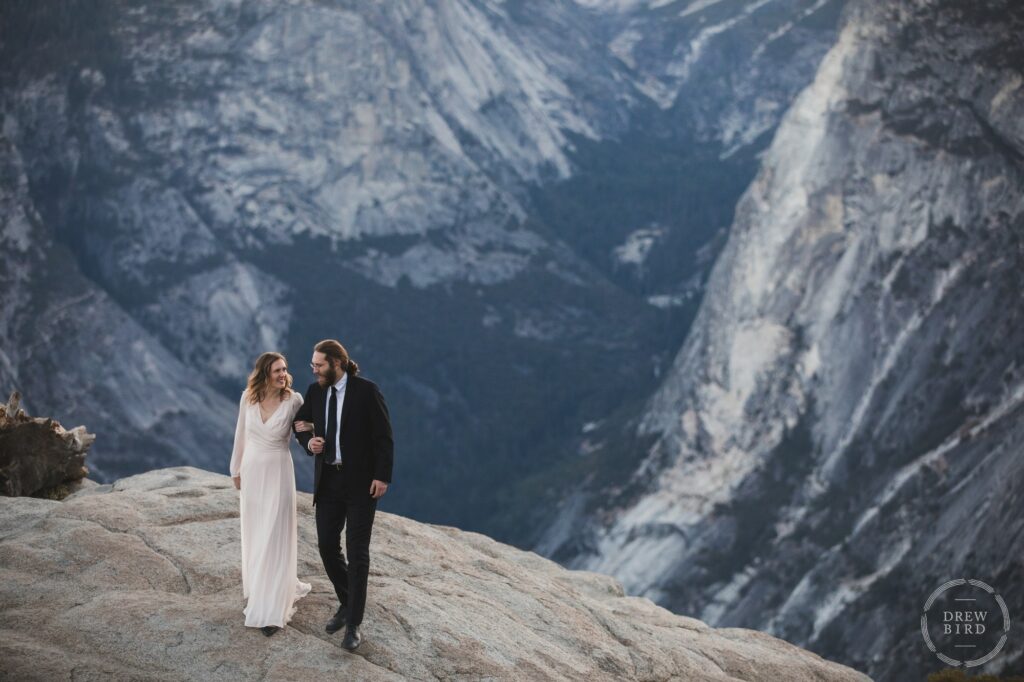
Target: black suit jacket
<point>366,440</point>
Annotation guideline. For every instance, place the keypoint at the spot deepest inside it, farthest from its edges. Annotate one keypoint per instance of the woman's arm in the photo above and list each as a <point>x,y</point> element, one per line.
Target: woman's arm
<point>304,414</point>
<point>237,450</point>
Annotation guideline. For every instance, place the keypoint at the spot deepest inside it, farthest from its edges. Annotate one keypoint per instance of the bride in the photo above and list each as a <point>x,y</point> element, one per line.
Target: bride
<point>261,468</point>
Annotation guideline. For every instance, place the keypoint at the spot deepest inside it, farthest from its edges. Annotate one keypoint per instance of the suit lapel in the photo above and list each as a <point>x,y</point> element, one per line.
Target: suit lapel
<point>349,396</point>
<point>321,408</point>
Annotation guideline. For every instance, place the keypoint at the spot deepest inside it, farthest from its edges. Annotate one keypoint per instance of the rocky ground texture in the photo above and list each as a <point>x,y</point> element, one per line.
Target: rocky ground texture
<point>140,579</point>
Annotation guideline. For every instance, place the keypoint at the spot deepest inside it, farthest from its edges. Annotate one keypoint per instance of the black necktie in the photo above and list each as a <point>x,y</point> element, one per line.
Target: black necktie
<point>332,426</point>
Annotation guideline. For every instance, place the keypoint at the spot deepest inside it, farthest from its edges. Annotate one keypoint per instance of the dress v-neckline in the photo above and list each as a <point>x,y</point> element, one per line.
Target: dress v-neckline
<point>264,421</point>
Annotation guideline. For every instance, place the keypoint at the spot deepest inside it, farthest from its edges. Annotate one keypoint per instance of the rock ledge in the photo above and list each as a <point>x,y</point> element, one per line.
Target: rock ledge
<point>140,580</point>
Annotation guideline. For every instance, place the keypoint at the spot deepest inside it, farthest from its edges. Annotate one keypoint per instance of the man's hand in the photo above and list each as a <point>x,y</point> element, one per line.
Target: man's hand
<point>301,426</point>
<point>377,489</point>
<point>237,480</point>
<point>316,445</point>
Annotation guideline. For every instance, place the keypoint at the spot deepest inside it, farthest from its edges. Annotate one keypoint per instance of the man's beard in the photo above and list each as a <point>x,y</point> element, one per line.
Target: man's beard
<point>329,376</point>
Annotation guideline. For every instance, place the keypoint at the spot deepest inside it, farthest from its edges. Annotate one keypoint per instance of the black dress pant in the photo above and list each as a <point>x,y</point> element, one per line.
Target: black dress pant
<point>339,508</point>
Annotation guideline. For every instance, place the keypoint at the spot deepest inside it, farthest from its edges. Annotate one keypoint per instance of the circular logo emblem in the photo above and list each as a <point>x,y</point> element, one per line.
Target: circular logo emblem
<point>965,623</point>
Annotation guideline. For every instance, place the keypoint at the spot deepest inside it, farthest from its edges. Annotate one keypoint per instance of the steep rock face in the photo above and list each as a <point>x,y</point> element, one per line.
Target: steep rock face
<point>841,432</point>
<point>723,70</point>
<point>652,207</point>
<point>205,131</point>
<point>140,580</point>
<point>66,342</point>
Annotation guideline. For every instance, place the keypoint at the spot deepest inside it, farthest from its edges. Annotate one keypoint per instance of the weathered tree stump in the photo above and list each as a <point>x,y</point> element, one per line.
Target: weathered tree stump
<point>38,454</point>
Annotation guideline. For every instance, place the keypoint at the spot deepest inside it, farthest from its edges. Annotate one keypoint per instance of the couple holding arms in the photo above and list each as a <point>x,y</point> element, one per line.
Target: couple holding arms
<point>343,423</point>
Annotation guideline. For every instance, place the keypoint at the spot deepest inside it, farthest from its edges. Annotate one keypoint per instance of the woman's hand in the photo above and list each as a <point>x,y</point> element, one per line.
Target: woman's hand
<point>237,480</point>
<point>303,426</point>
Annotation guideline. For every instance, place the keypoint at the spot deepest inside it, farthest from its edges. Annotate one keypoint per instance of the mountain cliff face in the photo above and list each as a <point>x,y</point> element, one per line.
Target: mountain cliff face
<point>66,341</point>
<point>841,432</point>
<point>712,66</point>
<point>486,202</point>
<point>140,580</point>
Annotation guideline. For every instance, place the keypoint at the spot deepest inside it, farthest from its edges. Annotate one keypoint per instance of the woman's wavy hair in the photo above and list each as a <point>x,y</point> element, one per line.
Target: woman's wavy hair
<point>335,351</point>
<point>259,380</point>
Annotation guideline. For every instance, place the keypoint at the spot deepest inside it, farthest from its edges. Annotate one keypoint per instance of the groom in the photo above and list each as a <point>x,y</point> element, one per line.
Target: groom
<point>352,445</point>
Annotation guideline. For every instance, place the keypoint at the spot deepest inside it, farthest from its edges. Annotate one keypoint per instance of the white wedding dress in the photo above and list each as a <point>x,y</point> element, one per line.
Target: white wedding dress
<point>267,512</point>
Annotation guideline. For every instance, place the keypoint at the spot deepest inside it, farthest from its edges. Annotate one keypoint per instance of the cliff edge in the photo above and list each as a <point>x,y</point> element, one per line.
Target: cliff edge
<point>140,579</point>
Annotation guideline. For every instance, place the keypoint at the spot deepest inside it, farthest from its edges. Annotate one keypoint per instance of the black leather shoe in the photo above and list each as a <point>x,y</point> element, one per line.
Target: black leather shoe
<point>352,638</point>
<point>337,621</point>
<point>268,630</point>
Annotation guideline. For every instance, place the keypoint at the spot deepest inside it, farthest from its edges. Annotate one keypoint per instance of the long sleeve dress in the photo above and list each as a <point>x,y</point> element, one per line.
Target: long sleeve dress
<point>267,512</point>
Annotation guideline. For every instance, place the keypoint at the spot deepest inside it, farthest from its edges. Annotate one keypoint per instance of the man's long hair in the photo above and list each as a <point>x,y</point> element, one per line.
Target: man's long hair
<point>259,380</point>
<point>335,351</point>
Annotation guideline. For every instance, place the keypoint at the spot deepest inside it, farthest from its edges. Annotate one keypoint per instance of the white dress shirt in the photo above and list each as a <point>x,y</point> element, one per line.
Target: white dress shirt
<point>340,387</point>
